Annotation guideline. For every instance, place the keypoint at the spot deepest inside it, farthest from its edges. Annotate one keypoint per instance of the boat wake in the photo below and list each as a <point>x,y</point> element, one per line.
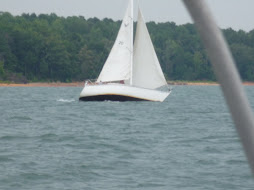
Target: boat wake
<point>66,100</point>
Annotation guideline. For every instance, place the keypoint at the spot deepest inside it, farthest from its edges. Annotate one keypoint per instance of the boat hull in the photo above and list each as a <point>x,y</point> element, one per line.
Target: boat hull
<point>120,92</point>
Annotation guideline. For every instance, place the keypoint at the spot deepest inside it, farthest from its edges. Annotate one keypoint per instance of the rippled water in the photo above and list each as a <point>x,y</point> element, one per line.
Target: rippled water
<point>50,140</point>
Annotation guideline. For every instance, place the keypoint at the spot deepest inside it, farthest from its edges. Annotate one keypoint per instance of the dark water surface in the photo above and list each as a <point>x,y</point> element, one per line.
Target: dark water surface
<point>50,140</point>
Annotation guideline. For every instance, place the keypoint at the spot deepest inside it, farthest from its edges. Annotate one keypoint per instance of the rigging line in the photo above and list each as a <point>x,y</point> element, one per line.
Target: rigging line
<point>129,49</point>
<point>226,73</point>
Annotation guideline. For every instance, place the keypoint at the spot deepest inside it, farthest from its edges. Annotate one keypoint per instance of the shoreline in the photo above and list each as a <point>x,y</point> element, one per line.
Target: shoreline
<point>43,84</point>
<point>81,84</point>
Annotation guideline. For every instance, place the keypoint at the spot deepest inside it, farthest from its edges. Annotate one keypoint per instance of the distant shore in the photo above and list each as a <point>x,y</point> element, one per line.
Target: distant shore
<point>81,84</point>
<point>43,84</point>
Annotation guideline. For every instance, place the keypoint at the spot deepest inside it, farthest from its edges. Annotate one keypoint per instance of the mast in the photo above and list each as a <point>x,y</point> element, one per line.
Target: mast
<point>131,57</point>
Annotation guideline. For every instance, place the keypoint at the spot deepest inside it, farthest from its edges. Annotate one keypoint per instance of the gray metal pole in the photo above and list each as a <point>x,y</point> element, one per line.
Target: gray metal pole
<point>226,73</point>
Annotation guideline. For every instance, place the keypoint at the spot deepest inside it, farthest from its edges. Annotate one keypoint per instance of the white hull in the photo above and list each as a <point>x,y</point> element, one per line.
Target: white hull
<point>121,92</point>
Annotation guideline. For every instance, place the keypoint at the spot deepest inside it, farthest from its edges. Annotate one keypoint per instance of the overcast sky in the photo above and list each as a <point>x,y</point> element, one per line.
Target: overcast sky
<point>237,14</point>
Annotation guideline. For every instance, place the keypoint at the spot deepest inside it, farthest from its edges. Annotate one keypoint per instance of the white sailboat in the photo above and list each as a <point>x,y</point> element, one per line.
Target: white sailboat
<point>131,72</point>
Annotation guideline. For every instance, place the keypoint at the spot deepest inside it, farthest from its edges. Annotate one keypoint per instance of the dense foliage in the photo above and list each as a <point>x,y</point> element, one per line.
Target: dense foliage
<point>52,48</point>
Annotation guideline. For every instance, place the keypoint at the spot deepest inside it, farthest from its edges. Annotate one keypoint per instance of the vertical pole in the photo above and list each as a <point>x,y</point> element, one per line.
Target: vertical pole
<point>226,74</point>
<point>131,23</point>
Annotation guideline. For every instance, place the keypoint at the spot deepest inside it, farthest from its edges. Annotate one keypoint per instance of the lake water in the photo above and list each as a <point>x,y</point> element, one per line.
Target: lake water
<point>50,140</point>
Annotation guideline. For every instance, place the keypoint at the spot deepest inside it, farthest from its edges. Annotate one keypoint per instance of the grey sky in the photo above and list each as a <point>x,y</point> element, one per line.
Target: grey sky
<point>238,14</point>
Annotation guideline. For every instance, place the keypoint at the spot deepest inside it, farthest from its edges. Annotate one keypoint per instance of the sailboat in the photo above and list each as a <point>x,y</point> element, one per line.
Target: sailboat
<point>131,72</point>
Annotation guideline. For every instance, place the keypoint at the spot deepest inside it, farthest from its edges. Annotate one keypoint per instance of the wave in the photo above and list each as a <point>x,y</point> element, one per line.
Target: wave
<point>21,118</point>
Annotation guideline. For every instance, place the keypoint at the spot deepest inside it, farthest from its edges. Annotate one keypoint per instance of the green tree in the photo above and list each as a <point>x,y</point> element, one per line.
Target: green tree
<point>244,57</point>
<point>48,47</point>
<point>2,69</point>
<point>87,66</point>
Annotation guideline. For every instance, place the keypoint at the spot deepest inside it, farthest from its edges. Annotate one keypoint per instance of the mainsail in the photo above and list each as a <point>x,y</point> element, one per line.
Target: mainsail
<point>119,62</point>
<point>147,72</point>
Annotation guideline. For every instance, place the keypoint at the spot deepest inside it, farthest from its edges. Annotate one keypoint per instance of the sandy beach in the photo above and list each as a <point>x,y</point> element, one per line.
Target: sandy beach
<point>81,84</point>
<point>40,84</point>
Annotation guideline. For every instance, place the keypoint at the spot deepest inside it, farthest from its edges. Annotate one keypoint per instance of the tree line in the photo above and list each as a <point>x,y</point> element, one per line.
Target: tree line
<point>52,48</point>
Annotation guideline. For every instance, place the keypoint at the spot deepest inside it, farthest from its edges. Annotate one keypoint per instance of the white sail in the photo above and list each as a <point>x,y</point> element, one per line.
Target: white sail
<point>147,72</point>
<point>119,62</point>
